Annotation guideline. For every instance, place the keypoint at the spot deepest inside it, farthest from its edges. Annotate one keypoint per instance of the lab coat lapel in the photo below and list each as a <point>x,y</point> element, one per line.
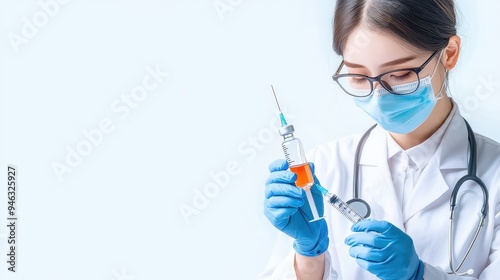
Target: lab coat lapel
<point>429,188</point>
<point>376,181</point>
<point>451,154</point>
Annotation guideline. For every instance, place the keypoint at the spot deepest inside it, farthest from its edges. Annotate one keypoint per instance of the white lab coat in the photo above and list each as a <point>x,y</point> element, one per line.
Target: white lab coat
<point>425,217</point>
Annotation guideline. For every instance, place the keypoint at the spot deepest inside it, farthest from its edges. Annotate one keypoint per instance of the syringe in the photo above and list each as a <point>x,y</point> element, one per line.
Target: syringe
<point>295,156</point>
<point>340,205</point>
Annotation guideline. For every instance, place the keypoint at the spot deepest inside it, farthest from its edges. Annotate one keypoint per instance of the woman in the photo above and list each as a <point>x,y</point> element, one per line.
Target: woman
<point>396,59</point>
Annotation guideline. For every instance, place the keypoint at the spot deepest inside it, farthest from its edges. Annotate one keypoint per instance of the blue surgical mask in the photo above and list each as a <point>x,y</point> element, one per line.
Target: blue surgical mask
<point>401,113</point>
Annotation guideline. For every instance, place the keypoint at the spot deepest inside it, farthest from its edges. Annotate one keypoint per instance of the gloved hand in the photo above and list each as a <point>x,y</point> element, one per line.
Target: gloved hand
<point>287,209</point>
<point>384,250</point>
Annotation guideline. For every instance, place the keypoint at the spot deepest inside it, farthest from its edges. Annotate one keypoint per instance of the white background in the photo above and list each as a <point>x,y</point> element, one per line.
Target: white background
<point>117,214</point>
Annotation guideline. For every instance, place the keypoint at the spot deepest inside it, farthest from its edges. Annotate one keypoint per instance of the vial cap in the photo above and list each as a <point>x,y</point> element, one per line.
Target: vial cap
<point>287,129</point>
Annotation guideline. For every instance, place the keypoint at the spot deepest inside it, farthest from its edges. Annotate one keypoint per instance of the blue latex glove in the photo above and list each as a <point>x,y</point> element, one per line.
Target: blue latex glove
<point>287,209</point>
<point>384,250</point>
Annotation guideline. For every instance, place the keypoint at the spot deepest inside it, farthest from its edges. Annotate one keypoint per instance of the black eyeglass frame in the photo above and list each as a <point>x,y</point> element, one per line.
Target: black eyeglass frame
<point>417,70</point>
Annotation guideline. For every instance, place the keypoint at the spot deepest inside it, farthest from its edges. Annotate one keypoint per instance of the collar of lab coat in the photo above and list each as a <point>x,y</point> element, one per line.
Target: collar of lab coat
<point>452,152</point>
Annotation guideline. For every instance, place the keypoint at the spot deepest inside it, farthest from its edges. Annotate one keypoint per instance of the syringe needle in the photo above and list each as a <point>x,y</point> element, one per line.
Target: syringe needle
<point>282,117</point>
<point>275,98</point>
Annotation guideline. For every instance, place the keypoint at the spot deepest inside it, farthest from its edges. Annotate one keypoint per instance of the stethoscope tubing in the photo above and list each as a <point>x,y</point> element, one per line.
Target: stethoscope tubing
<point>470,176</point>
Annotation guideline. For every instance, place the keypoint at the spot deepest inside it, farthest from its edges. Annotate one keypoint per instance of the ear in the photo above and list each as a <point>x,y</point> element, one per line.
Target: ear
<point>452,52</point>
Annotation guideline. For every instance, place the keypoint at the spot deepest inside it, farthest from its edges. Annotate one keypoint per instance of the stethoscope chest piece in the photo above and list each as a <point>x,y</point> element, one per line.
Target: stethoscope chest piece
<point>360,206</point>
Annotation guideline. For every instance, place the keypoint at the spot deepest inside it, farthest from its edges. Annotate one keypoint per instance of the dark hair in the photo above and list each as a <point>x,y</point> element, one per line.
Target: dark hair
<point>424,24</point>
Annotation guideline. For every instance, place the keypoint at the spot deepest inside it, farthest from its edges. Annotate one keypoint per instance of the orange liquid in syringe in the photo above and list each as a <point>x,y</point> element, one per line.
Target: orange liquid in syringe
<point>304,175</point>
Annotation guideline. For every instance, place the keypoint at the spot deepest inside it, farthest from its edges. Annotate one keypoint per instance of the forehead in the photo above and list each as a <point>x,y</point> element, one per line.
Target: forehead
<point>369,48</point>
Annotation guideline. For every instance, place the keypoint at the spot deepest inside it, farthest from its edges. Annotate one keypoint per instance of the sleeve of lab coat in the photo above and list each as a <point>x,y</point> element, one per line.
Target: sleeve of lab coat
<point>490,272</point>
<point>281,262</point>
<point>435,273</point>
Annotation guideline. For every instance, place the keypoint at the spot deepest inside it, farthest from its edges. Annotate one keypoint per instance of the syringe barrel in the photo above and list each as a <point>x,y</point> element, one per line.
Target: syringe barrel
<point>296,158</point>
<point>343,208</point>
<point>294,152</point>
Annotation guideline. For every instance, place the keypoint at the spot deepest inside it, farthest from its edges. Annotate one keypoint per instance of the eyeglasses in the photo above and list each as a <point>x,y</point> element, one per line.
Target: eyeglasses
<point>399,82</point>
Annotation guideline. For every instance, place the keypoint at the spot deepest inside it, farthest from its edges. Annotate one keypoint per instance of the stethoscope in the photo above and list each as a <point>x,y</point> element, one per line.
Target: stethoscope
<point>364,210</point>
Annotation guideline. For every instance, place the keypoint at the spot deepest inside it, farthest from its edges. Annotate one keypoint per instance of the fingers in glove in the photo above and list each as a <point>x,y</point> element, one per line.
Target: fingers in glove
<point>287,177</point>
<point>381,227</point>
<point>368,254</point>
<point>367,239</point>
<point>279,217</point>
<point>283,202</point>
<point>278,165</point>
<point>284,190</point>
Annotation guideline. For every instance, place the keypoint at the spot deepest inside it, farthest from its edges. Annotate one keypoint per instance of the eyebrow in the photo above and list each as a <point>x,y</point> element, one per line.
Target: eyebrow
<point>390,63</point>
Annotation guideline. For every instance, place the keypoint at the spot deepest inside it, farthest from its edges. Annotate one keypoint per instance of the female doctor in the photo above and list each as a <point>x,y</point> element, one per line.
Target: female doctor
<point>396,59</point>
